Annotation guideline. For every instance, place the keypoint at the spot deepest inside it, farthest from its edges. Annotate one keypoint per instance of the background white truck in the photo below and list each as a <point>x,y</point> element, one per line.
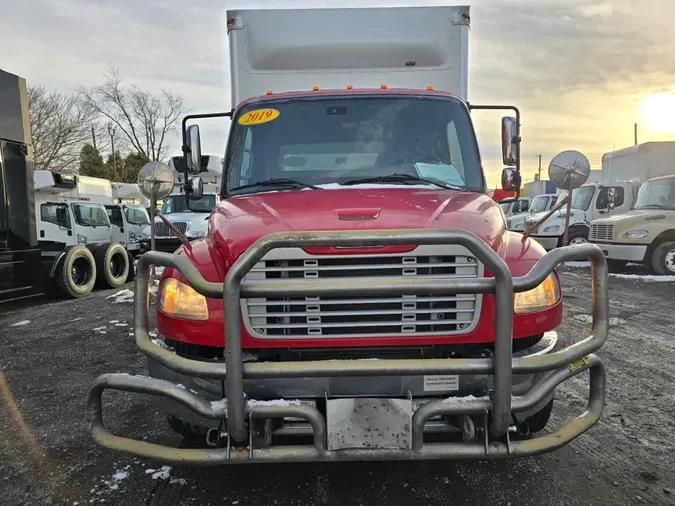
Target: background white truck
<point>190,223</point>
<point>622,173</point>
<point>539,204</point>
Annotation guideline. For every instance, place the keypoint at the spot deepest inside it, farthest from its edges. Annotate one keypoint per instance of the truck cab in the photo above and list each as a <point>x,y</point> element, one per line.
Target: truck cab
<point>589,202</point>
<point>356,286</point>
<point>539,204</point>
<point>517,207</point>
<point>646,233</point>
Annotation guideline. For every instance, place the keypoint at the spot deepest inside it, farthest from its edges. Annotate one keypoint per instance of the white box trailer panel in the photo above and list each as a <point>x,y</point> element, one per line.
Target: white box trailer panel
<point>643,161</point>
<point>283,50</point>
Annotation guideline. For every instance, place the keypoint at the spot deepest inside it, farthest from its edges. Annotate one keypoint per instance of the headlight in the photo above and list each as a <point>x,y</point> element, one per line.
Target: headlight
<point>133,237</point>
<point>179,300</point>
<point>552,228</point>
<point>635,234</point>
<point>544,296</point>
<point>81,239</point>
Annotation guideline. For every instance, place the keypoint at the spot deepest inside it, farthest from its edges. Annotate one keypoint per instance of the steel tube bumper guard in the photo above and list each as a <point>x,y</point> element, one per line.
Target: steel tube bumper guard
<point>557,366</point>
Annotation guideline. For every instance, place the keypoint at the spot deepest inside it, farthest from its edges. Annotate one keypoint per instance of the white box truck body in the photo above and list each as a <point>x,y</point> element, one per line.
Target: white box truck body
<point>296,49</point>
<point>639,163</point>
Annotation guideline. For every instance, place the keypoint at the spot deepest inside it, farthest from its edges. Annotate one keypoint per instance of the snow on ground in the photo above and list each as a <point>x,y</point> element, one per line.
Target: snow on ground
<point>162,474</point>
<point>586,318</point>
<point>646,277</point>
<point>122,296</point>
<point>20,324</point>
<point>578,265</point>
<point>100,330</point>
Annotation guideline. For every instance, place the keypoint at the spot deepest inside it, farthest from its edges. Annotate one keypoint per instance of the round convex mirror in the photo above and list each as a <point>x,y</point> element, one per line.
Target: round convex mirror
<point>156,180</point>
<point>569,170</point>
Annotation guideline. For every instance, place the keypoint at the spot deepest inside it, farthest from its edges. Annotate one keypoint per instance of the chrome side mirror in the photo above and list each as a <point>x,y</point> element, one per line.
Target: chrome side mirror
<point>194,160</point>
<point>509,140</point>
<point>194,188</point>
<point>510,180</point>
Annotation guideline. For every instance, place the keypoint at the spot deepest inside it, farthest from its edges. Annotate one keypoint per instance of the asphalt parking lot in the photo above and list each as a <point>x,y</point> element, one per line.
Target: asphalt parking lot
<point>51,350</point>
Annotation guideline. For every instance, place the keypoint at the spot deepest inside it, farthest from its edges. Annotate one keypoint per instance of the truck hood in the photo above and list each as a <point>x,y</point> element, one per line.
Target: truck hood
<point>555,218</point>
<point>636,216</point>
<point>239,221</point>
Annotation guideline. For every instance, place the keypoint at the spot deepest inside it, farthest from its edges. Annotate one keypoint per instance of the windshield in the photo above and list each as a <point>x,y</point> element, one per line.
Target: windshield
<point>506,206</point>
<point>176,204</point>
<point>657,194</point>
<point>136,215</point>
<point>581,197</point>
<point>539,204</point>
<point>328,141</point>
<point>90,215</point>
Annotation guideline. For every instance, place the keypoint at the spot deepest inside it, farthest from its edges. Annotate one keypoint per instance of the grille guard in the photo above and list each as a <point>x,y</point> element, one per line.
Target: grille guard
<point>559,366</point>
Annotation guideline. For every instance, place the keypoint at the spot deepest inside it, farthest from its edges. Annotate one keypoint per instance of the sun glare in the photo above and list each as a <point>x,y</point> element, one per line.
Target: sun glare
<point>658,112</point>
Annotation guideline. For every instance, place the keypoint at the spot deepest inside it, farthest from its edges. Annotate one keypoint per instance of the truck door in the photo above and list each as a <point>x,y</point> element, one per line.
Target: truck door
<point>117,224</point>
<point>55,223</point>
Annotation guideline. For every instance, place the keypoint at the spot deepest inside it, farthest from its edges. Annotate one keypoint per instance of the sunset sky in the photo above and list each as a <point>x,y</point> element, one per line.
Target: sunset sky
<point>579,70</point>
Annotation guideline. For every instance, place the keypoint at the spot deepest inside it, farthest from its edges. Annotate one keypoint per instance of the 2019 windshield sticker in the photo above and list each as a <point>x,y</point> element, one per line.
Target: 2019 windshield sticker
<point>258,117</point>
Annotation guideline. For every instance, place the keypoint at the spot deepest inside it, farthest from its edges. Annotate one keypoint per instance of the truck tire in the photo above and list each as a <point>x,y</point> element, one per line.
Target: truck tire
<point>192,433</point>
<point>538,421</point>
<point>577,235</point>
<point>112,265</point>
<point>132,269</point>
<point>75,274</point>
<point>663,258</point>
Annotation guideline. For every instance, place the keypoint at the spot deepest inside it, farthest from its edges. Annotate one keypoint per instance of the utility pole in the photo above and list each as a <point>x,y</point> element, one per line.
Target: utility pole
<point>111,131</point>
<point>539,156</point>
<point>635,133</point>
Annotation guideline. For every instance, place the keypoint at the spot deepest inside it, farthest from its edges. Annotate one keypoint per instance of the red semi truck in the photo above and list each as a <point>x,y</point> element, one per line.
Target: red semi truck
<point>357,294</point>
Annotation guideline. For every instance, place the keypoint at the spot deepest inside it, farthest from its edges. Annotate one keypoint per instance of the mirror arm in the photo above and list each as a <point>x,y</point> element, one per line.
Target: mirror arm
<point>171,226</point>
<point>186,147</point>
<point>557,207</point>
<point>517,138</point>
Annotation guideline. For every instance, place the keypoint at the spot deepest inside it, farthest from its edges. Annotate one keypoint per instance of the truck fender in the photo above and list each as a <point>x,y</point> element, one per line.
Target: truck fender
<point>666,235</point>
<point>55,262</point>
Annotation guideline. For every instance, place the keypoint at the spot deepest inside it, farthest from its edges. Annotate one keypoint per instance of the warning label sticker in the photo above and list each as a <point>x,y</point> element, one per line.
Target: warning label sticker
<point>441,383</point>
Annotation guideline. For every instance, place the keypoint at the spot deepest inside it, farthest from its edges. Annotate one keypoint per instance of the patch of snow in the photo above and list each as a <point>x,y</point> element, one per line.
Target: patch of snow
<point>274,402</point>
<point>160,343</point>
<point>75,320</point>
<point>152,333</point>
<point>121,325</point>
<point>20,324</point>
<point>122,296</point>
<point>645,277</point>
<point>221,404</point>
<point>180,481</point>
<point>162,474</point>
<point>578,265</point>
<point>150,471</point>
<point>467,398</point>
<point>100,330</point>
<point>114,321</point>
<point>586,318</point>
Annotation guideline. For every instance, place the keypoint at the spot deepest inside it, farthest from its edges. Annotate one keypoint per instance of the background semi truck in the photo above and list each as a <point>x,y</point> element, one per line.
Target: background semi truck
<point>622,173</point>
<point>646,233</point>
<point>190,221</point>
<point>357,290</point>
<point>47,242</point>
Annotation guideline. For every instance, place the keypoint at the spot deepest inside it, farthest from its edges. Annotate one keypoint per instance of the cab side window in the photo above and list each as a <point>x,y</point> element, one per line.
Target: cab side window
<point>48,214</point>
<point>606,194</point>
<point>520,206</point>
<point>115,215</point>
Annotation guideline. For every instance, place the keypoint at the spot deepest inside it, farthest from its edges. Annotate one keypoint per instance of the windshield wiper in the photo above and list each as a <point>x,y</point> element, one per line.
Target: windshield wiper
<point>401,178</point>
<point>277,182</point>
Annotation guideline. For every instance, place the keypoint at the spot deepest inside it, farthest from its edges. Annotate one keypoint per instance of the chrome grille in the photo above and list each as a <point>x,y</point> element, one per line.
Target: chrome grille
<point>311,317</point>
<point>161,229</point>
<point>602,232</point>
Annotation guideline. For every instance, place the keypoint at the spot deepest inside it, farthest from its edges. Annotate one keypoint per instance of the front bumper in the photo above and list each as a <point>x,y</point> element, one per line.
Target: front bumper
<point>503,369</point>
<point>547,241</point>
<point>626,252</point>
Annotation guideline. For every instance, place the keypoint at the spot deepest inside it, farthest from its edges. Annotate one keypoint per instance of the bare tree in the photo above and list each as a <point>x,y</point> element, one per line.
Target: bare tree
<point>60,125</point>
<point>143,119</point>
